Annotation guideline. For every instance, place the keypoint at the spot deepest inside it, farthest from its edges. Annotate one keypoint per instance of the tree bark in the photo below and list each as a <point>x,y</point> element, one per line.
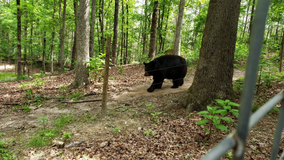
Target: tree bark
<point>62,39</point>
<point>92,29</point>
<point>26,36</point>
<point>176,50</point>
<point>19,73</point>
<point>52,39</point>
<point>246,19</point>
<point>43,52</point>
<point>115,27</point>
<point>281,54</point>
<point>214,72</point>
<point>74,53</point>
<point>251,17</point>
<point>153,30</point>
<point>145,28</point>
<point>122,31</point>
<point>102,26</point>
<point>126,37</point>
<point>105,85</point>
<point>82,45</point>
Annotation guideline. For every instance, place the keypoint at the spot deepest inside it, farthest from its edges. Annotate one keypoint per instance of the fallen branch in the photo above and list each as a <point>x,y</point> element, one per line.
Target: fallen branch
<point>83,101</point>
<point>74,144</point>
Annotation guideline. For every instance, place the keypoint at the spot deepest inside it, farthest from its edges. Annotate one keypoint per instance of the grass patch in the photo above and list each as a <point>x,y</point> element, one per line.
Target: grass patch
<point>7,76</point>
<point>24,108</point>
<point>44,136</point>
<point>4,152</point>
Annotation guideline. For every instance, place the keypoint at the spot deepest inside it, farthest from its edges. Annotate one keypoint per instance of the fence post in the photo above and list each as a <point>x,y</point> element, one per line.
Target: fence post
<point>105,85</point>
<point>256,41</point>
<point>278,133</point>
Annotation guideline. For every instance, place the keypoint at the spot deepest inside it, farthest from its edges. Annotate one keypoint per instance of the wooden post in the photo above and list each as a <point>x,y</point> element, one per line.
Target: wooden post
<point>105,85</point>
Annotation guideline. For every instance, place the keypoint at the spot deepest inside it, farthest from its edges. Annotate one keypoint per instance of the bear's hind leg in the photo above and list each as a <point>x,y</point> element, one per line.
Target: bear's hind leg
<point>177,83</point>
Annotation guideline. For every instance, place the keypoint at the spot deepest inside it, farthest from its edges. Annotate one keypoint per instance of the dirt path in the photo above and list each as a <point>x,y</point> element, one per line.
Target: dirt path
<point>141,90</point>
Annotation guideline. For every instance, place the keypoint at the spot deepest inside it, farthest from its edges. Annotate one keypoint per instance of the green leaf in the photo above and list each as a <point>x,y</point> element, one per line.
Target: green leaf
<point>227,119</point>
<point>235,112</point>
<point>221,127</point>
<point>207,131</point>
<point>227,107</point>
<point>203,112</point>
<point>234,104</point>
<point>220,102</point>
<point>222,112</point>
<point>202,122</point>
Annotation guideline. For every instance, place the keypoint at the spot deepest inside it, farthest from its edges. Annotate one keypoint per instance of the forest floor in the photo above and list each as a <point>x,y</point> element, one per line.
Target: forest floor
<point>129,131</point>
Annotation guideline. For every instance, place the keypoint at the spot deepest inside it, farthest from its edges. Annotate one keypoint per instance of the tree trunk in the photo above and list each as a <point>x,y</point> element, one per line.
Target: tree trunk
<point>281,54</point>
<point>26,36</point>
<point>214,72</point>
<point>251,17</point>
<point>153,30</point>
<point>62,39</point>
<point>115,27</point>
<point>161,28</point>
<point>122,40</point>
<point>126,37</point>
<point>31,50</point>
<point>102,26</point>
<point>74,54</point>
<point>52,39</point>
<point>19,73</point>
<point>246,19</point>
<point>145,27</point>
<point>166,28</point>
<point>92,29</point>
<point>43,52</point>
<point>82,45</point>
<point>176,50</point>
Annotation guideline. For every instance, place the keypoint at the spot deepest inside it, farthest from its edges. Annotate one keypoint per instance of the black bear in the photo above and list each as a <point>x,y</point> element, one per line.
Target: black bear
<point>169,66</point>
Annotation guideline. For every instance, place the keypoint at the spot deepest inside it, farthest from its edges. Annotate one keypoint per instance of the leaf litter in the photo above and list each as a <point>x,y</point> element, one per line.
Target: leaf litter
<point>139,136</point>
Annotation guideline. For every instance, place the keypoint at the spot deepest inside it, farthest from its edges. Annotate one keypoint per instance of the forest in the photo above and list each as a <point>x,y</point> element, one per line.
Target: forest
<point>73,86</point>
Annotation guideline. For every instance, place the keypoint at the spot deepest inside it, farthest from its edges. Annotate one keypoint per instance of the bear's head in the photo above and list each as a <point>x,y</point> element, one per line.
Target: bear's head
<point>149,68</point>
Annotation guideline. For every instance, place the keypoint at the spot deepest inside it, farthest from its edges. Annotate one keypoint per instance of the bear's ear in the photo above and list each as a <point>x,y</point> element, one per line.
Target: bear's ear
<point>144,63</point>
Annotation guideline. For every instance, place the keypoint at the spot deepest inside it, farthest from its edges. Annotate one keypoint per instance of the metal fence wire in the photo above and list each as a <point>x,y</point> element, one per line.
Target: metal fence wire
<point>237,139</point>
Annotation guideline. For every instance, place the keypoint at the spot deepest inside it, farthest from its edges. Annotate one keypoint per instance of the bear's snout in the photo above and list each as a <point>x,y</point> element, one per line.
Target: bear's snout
<point>146,74</point>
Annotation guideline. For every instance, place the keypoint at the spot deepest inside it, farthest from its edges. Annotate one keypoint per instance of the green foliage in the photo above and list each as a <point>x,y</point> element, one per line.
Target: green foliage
<point>96,65</point>
<point>64,88</point>
<point>238,85</point>
<point>5,154</point>
<point>155,115</point>
<point>7,76</point>
<point>29,93</point>
<point>149,133</point>
<point>67,136</point>
<point>38,82</point>
<point>268,74</point>
<point>241,52</point>
<point>77,95</point>
<point>64,120</point>
<point>43,136</point>
<point>215,115</point>
<point>22,77</point>
<point>229,155</point>
<point>43,121</point>
<point>25,108</point>
<point>120,70</point>
<point>115,131</point>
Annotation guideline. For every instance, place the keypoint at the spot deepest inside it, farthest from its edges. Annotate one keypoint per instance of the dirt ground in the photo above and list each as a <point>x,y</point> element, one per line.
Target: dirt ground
<point>176,135</point>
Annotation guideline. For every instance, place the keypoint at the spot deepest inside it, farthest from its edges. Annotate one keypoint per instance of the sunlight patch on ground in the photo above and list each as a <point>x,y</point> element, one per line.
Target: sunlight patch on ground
<point>5,67</point>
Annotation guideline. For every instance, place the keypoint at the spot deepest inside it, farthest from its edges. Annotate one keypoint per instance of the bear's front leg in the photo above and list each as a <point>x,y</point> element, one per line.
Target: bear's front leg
<point>157,84</point>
